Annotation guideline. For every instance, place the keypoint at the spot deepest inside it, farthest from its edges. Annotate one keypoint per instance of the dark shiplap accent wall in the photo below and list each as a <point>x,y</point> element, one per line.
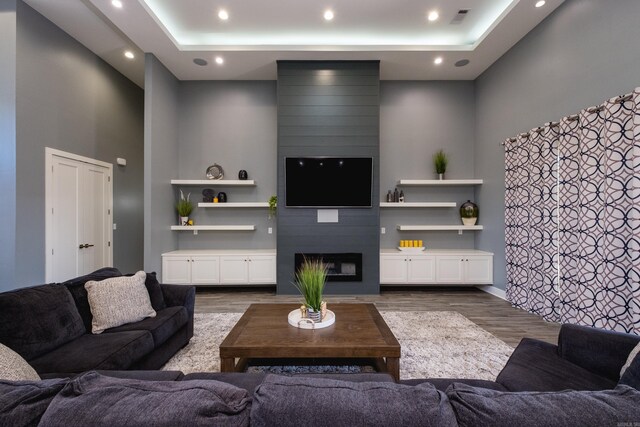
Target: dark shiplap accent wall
<point>329,108</point>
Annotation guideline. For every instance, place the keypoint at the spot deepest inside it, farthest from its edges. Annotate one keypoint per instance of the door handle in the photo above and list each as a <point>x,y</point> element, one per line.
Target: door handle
<point>81,247</point>
<point>86,245</point>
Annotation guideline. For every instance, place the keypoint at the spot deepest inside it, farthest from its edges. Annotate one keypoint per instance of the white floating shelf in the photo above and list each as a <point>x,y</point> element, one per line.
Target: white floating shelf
<point>439,227</point>
<point>214,182</point>
<point>234,205</point>
<point>195,228</point>
<point>439,182</point>
<point>418,205</point>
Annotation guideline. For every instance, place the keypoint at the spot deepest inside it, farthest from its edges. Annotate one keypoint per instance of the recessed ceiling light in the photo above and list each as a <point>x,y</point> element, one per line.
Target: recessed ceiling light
<point>219,60</point>
<point>116,3</point>
<point>438,60</point>
<point>223,14</point>
<point>201,62</point>
<point>540,3</point>
<point>129,54</point>
<point>328,15</point>
<point>433,16</point>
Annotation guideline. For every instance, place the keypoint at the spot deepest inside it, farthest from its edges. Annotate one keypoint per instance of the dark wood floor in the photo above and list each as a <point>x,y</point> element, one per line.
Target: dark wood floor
<point>489,312</point>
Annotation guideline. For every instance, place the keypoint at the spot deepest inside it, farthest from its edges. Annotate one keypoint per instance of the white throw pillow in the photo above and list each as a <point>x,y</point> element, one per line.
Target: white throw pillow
<point>632,356</point>
<point>118,300</point>
<point>14,368</point>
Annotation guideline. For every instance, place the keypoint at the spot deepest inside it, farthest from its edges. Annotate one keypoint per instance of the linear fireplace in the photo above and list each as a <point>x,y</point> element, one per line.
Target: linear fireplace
<point>341,267</point>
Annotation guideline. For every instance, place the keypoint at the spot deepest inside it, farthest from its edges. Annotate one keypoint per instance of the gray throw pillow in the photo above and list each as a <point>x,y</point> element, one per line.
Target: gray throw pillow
<point>118,300</point>
<point>479,407</point>
<point>14,368</point>
<point>95,400</point>
<point>301,401</point>
<point>22,403</point>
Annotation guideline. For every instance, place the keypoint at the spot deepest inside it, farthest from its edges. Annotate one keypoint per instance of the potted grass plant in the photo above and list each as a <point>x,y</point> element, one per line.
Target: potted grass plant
<point>184,208</point>
<point>273,206</point>
<point>440,161</point>
<point>310,280</point>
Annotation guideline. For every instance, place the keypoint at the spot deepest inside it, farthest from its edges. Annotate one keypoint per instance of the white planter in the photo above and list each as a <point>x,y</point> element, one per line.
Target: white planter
<point>183,220</point>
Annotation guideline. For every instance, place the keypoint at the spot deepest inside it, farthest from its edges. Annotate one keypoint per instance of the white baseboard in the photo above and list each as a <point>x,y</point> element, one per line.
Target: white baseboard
<point>494,291</point>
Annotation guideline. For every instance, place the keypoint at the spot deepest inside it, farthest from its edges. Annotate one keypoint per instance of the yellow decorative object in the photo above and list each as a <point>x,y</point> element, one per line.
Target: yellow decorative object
<point>190,222</point>
<point>303,311</point>
<point>323,309</point>
<point>215,200</point>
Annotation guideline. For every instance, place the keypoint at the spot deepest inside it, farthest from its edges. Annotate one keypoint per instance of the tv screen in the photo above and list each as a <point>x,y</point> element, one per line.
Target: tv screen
<point>328,182</point>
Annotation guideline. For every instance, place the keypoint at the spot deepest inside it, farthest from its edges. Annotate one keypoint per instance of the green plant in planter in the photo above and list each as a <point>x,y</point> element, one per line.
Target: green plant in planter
<point>273,206</point>
<point>310,281</point>
<point>184,205</point>
<point>440,161</point>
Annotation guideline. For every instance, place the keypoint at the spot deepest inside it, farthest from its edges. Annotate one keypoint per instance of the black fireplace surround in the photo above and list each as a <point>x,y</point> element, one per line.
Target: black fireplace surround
<point>341,267</point>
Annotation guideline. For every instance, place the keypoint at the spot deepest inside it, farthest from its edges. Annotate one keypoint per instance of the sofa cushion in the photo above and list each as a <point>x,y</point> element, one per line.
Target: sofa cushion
<point>479,407</point>
<point>443,384</point>
<point>14,368</point>
<point>294,401</point>
<point>155,292</point>
<point>39,319</point>
<point>535,366</point>
<point>166,323</point>
<point>95,400</point>
<point>79,293</point>
<point>631,376</point>
<point>22,403</point>
<point>118,300</point>
<point>105,351</point>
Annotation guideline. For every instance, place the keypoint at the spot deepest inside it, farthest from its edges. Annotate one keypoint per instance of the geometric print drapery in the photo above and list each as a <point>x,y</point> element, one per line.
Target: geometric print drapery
<point>572,217</point>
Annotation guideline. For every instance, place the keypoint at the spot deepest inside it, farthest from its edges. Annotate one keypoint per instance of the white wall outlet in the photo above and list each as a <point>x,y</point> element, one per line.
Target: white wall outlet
<point>115,226</point>
<point>270,230</point>
<point>383,230</point>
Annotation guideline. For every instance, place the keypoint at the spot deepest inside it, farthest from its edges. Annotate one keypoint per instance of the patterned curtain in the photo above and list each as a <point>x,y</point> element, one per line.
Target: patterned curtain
<point>573,245</point>
<point>531,221</point>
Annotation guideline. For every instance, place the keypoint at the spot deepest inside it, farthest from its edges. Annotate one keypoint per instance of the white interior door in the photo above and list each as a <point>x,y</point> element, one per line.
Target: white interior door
<point>78,215</point>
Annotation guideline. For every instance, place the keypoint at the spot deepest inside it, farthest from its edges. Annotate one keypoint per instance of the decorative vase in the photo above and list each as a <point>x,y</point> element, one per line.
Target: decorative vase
<point>314,315</point>
<point>441,176</point>
<point>469,213</point>
<point>184,220</point>
<point>243,175</point>
<point>222,197</point>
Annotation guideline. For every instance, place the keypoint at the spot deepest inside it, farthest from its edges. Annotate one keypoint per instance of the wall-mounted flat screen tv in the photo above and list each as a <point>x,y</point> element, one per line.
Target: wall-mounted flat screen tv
<point>328,182</point>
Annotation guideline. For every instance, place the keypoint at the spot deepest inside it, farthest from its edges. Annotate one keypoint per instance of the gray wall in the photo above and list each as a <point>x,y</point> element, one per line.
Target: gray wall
<point>585,52</point>
<point>160,161</point>
<point>8,143</point>
<point>232,124</point>
<point>416,119</point>
<point>329,109</point>
<point>69,99</point>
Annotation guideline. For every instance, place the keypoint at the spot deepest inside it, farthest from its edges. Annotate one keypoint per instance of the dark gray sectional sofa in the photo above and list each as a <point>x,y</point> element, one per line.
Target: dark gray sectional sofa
<point>576,382</point>
<point>50,327</point>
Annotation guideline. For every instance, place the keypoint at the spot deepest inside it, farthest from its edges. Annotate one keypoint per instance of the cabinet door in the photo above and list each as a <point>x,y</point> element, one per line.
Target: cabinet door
<point>479,269</point>
<point>449,269</point>
<point>205,270</point>
<point>176,270</point>
<point>234,270</point>
<point>393,269</point>
<point>421,269</point>
<point>262,269</point>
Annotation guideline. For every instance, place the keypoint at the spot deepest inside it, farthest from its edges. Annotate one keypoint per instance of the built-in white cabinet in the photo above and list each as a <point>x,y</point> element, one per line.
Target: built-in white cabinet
<point>216,267</point>
<point>191,269</point>
<point>438,267</point>
<point>405,268</point>
<point>247,269</point>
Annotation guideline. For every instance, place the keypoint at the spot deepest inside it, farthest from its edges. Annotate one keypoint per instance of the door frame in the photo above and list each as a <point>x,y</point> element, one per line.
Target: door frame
<point>49,154</point>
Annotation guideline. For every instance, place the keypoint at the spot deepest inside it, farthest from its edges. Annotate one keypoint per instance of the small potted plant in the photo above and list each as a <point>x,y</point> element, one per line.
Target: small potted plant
<point>184,208</point>
<point>310,281</point>
<point>440,161</point>
<point>273,206</point>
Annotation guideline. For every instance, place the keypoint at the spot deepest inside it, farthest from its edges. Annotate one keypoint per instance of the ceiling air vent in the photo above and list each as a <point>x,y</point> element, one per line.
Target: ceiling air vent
<point>462,13</point>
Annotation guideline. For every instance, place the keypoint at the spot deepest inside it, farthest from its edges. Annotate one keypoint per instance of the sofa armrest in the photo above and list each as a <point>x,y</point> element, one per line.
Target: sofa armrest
<point>596,350</point>
<point>181,295</point>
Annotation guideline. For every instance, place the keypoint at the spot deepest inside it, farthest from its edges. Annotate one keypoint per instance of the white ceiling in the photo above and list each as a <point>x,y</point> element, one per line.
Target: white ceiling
<point>259,32</point>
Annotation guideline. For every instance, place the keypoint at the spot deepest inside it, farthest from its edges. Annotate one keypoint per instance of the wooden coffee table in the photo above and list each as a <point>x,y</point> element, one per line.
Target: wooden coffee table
<point>360,332</point>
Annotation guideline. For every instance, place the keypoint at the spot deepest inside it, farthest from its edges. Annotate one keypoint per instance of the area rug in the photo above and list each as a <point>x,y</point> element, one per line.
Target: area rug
<point>436,344</point>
